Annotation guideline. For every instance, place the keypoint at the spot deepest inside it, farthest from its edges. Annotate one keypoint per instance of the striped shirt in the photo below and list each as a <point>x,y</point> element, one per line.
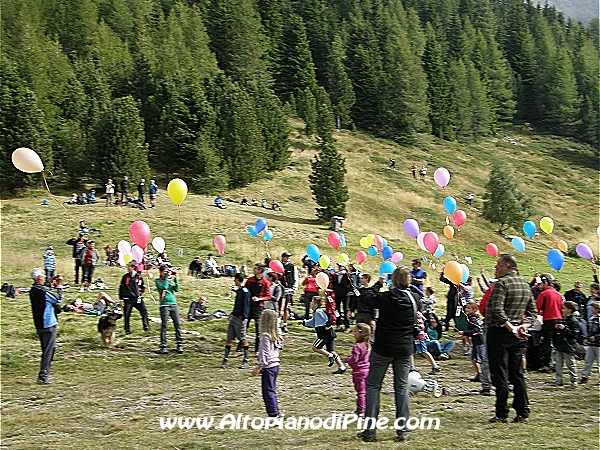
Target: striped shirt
<point>510,300</point>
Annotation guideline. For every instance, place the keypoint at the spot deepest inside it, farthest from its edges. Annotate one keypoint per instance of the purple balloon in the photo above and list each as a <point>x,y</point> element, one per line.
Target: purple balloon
<point>584,251</point>
<point>411,227</point>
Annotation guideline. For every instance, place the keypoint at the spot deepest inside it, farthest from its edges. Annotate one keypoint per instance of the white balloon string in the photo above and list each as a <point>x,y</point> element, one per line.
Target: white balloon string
<point>52,195</point>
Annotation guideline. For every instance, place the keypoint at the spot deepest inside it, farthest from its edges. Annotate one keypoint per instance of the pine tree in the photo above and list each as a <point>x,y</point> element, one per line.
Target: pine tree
<point>339,85</point>
<point>327,182</point>
<point>325,124</point>
<point>211,172</point>
<point>307,110</point>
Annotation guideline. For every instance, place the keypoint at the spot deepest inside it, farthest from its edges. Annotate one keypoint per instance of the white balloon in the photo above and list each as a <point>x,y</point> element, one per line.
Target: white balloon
<point>158,244</point>
<point>420,240</point>
<point>124,248</point>
<point>26,160</point>
<point>138,253</point>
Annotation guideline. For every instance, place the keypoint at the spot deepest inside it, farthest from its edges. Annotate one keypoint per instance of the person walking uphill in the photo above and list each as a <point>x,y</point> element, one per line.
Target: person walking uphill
<point>166,285</point>
<point>506,338</point>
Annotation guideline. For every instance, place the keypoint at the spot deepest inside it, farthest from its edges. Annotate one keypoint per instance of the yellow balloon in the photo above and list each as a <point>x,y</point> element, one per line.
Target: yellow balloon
<point>449,231</point>
<point>343,258</point>
<point>364,243</point>
<point>562,245</point>
<point>453,271</point>
<point>177,190</point>
<point>371,239</point>
<point>547,225</point>
<point>127,259</point>
<point>324,261</point>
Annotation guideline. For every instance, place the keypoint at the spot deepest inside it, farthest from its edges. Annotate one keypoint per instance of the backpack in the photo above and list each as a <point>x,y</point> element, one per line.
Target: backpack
<point>11,291</point>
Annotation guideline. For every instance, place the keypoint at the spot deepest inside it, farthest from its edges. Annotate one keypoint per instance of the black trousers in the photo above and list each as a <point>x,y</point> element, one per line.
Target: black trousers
<point>341,304</point>
<point>77,267</point>
<point>141,307</point>
<point>255,312</point>
<point>48,341</point>
<point>307,299</point>
<point>548,331</point>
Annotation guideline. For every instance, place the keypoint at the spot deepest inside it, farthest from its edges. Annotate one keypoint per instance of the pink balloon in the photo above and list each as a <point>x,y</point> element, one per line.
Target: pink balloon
<point>441,177</point>
<point>139,232</point>
<point>420,240</point>
<point>124,248</point>
<point>431,241</point>
<point>220,244</point>
<point>459,217</point>
<point>276,266</point>
<point>139,267</point>
<point>360,257</point>
<point>334,239</point>
<point>322,280</point>
<point>137,253</point>
<point>492,250</point>
<point>378,242</point>
<point>397,257</point>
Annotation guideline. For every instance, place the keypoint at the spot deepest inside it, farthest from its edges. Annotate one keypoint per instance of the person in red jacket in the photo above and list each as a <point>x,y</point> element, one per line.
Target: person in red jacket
<point>549,304</point>
<point>260,291</point>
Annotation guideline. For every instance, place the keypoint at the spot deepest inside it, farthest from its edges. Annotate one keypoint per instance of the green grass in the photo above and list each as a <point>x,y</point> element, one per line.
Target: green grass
<point>114,398</point>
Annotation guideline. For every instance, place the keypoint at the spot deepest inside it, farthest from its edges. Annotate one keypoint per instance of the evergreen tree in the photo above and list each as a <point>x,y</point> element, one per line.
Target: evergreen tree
<point>211,173</point>
<point>327,182</point>
<point>503,202</point>
<point>307,110</point>
<point>339,85</point>
<point>561,108</point>
<point>325,124</point>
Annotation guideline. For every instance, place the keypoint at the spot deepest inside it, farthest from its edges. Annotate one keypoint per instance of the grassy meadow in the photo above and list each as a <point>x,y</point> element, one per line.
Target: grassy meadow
<point>114,398</point>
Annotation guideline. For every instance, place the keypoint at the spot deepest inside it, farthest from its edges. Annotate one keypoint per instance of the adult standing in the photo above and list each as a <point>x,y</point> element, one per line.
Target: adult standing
<point>413,169</point>
<point>166,285</point>
<point>141,188</point>
<point>418,275</point>
<point>260,291</point>
<point>510,301</point>
<point>124,188</point>
<point>423,172</point>
<point>90,258</point>
<point>576,295</point>
<point>152,192</point>
<point>341,288</point>
<point>43,299</point>
<point>78,244</point>
<point>549,303</point>
<point>290,286</point>
<point>451,300</point>
<point>109,190</point>
<point>130,293</point>
<point>393,345</point>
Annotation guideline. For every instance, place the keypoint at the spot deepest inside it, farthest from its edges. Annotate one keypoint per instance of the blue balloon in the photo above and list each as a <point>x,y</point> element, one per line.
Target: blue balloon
<point>518,244</point>
<point>556,259</point>
<point>465,274</point>
<point>372,250</point>
<point>313,252</point>
<point>440,251</point>
<point>342,240</point>
<point>261,224</point>
<point>387,252</point>
<point>529,229</point>
<point>252,230</point>
<point>450,205</point>
<point>268,235</point>
<point>385,242</point>
<point>387,268</point>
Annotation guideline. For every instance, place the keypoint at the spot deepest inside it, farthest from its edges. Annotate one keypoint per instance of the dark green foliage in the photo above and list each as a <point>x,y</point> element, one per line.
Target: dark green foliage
<point>327,182</point>
<point>339,85</point>
<point>307,110</point>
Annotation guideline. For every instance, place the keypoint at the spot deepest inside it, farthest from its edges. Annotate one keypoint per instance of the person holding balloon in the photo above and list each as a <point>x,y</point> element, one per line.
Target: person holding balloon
<point>166,285</point>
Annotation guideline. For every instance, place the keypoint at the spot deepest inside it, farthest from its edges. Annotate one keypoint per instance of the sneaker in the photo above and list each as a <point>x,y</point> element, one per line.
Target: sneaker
<point>89,289</point>
<point>339,371</point>
<point>284,329</point>
<point>225,364</point>
<point>366,437</point>
<point>521,419</point>
<point>403,437</point>
<point>434,370</point>
<point>496,419</point>
<point>190,319</point>
<point>573,384</point>
<point>485,392</point>
<point>244,364</point>
<point>583,380</point>
<point>558,383</point>
<point>45,380</point>
<point>127,331</point>
<point>179,349</point>
<point>476,378</point>
<point>444,357</point>
<point>331,360</point>
<point>162,351</point>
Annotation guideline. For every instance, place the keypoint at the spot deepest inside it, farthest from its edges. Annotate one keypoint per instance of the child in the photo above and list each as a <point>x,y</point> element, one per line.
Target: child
<point>238,321</point>
<point>325,334</point>
<point>593,343</point>
<point>268,360</point>
<point>49,263</point>
<point>475,332</point>
<point>359,361</point>
<point>565,339</point>
<point>420,347</point>
<point>428,301</point>
<point>435,347</point>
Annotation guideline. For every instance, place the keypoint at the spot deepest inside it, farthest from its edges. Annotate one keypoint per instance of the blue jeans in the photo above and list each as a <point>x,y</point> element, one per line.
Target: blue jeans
<point>166,312</point>
<point>436,348</point>
<point>379,366</point>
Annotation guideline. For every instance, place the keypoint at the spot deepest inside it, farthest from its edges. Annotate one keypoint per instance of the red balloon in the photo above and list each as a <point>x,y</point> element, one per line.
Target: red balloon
<point>220,244</point>
<point>459,217</point>
<point>492,250</point>
<point>139,232</point>
<point>431,241</point>
<point>360,257</point>
<point>334,239</point>
<point>276,266</point>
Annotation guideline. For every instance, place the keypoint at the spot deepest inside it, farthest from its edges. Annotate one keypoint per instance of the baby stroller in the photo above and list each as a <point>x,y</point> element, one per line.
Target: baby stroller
<point>417,384</point>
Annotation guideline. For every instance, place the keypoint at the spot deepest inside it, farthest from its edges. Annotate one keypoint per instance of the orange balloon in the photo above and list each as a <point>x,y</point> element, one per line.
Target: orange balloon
<point>322,280</point>
<point>453,271</point>
<point>562,245</point>
<point>449,231</point>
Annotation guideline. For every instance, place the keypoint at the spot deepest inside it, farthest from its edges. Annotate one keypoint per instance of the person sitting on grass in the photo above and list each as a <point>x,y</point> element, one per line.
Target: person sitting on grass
<point>275,205</point>
<point>439,350</point>
<point>197,309</point>
<point>91,197</point>
<point>219,203</point>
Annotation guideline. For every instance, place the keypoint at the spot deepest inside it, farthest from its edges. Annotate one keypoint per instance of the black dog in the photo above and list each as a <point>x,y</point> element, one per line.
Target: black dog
<point>107,326</point>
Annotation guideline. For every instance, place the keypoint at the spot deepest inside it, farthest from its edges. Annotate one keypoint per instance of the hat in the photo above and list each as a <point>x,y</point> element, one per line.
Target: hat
<point>50,248</point>
<point>547,278</point>
<point>342,263</point>
<point>285,254</point>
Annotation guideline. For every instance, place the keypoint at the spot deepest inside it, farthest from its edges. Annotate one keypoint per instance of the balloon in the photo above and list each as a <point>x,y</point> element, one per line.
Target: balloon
<point>450,205</point>
<point>324,261</point>
<point>492,250</point>
<point>397,257</point>
<point>364,243</point>
<point>177,190</point>
<point>441,176</point>
<point>420,240</point>
<point>440,250</point>
<point>260,225</point>
<point>465,273</point>
<point>360,257</point>
<point>459,217</point>
<point>449,231</point>
<point>387,268</point>
<point>563,246</point>
<point>26,160</point>
<point>556,259</point>
<point>220,244</point>
<point>139,232</point>
<point>276,266</point>
<point>518,244</point>
<point>252,230</point>
<point>358,267</point>
<point>124,248</point>
<point>334,240</point>
<point>322,280</point>
<point>158,244</point>
<point>268,235</point>
<point>453,271</point>
<point>127,258</point>
<point>411,227</point>
<point>139,267</point>
<point>584,251</point>
<point>121,261</point>
<point>547,225</point>
<point>137,253</point>
<point>378,242</point>
<point>343,258</point>
<point>529,229</point>
<point>387,252</point>
<point>342,240</point>
<point>371,239</point>
<point>431,241</point>
<point>313,252</point>
<point>372,250</point>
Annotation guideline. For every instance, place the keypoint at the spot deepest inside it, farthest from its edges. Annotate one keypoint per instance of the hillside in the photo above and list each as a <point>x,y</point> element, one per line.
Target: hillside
<point>583,10</point>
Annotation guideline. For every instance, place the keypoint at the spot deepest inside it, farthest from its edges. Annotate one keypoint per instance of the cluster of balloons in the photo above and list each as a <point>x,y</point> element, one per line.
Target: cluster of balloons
<point>259,227</point>
<point>139,232</point>
<point>336,240</point>
<point>375,244</point>
<point>456,272</point>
